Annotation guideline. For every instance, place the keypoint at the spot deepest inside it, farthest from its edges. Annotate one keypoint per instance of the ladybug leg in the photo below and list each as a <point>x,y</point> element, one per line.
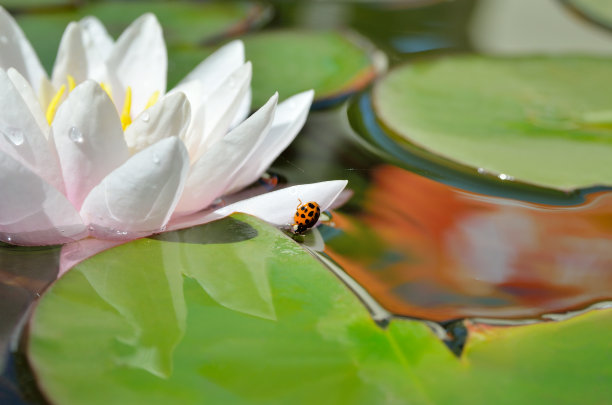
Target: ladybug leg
<point>298,206</point>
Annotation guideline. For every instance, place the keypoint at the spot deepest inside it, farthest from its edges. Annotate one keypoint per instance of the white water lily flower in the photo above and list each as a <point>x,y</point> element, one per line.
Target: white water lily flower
<point>101,149</point>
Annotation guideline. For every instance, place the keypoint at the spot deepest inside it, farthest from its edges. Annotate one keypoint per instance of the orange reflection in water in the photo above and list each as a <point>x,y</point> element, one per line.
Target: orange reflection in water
<point>427,250</point>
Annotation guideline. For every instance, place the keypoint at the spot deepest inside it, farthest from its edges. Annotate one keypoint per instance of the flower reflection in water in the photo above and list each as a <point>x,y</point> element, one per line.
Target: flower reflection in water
<point>432,251</point>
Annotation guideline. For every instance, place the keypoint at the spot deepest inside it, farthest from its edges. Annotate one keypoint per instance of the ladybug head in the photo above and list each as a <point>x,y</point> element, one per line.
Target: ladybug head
<point>299,228</point>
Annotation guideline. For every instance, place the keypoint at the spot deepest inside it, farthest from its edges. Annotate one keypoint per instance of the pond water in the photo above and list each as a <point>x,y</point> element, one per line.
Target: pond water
<point>425,237</point>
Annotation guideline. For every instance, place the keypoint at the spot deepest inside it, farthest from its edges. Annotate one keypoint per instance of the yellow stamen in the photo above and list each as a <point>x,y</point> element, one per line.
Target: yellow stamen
<point>55,101</point>
<point>107,89</point>
<point>71,83</point>
<point>127,106</point>
<point>152,100</point>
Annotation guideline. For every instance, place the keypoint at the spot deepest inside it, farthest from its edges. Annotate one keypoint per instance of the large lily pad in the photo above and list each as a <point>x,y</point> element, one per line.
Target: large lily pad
<point>252,318</point>
<point>331,63</point>
<point>542,120</point>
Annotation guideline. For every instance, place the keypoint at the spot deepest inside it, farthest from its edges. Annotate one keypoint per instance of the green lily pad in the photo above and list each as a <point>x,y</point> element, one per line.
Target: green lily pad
<point>541,120</point>
<point>36,4</point>
<point>597,11</point>
<point>184,23</point>
<point>182,60</point>
<point>253,318</point>
<point>331,63</point>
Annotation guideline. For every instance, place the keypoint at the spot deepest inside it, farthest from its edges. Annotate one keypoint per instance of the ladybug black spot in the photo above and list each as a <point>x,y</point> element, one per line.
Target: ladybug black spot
<point>303,216</point>
<point>311,213</point>
<point>311,205</point>
<point>303,208</point>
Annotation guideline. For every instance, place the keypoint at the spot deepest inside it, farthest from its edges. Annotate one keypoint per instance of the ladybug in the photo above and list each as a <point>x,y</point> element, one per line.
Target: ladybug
<point>306,216</point>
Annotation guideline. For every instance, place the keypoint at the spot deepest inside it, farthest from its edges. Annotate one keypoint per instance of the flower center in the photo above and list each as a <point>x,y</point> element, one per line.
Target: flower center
<point>125,116</point>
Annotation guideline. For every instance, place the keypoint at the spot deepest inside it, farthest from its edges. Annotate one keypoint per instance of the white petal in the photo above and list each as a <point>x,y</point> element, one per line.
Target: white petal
<point>210,175</point>
<point>139,60</point>
<point>278,207</point>
<point>71,57</point>
<point>17,52</point>
<point>138,197</point>
<point>29,97</point>
<point>89,140</point>
<point>243,110</point>
<point>21,136</point>
<point>288,121</point>
<point>220,108</point>
<point>170,116</point>
<point>97,42</point>
<point>32,212</point>
<point>212,71</point>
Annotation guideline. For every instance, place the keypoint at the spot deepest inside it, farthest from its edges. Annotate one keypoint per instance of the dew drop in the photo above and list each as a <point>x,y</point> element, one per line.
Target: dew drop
<point>163,228</point>
<point>75,135</point>
<point>145,117</point>
<point>14,135</point>
<point>3,39</point>
<point>91,228</point>
<point>481,170</point>
<point>8,239</point>
<point>505,177</point>
<point>156,159</point>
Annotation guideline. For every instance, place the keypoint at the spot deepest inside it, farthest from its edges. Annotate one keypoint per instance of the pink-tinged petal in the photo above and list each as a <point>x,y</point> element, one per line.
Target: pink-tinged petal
<point>138,198</point>
<point>21,136</point>
<point>278,207</point>
<point>71,58</point>
<point>211,173</point>
<point>29,97</point>
<point>17,52</point>
<point>88,138</point>
<point>75,252</point>
<point>220,108</point>
<point>213,71</point>
<point>32,212</point>
<point>170,116</point>
<point>288,121</point>
<point>97,42</point>
<point>139,60</point>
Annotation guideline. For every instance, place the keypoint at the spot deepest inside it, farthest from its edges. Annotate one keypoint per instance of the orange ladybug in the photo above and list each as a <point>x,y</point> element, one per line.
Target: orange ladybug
<point>306,216</point>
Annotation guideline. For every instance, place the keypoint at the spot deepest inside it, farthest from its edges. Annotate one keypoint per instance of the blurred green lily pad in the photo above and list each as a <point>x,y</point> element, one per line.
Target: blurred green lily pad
<point>36,4</point>
<point>596,11</point>
<point>255,319</point>
<point>184,23</point>
<point>541,120</point>
<point>334,64</point>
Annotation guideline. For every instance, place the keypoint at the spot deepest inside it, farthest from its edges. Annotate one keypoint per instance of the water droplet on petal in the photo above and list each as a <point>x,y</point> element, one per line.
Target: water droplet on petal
<point>156,159</point>
<point>505,177</point>
<point>14,135</point>
<point>3,39</point>
<point>481,170</point>
<point>8,239</point>
<point>163,228</point>
<point>75,135</point>
<point>145,117</point>
<point>91,228</point>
